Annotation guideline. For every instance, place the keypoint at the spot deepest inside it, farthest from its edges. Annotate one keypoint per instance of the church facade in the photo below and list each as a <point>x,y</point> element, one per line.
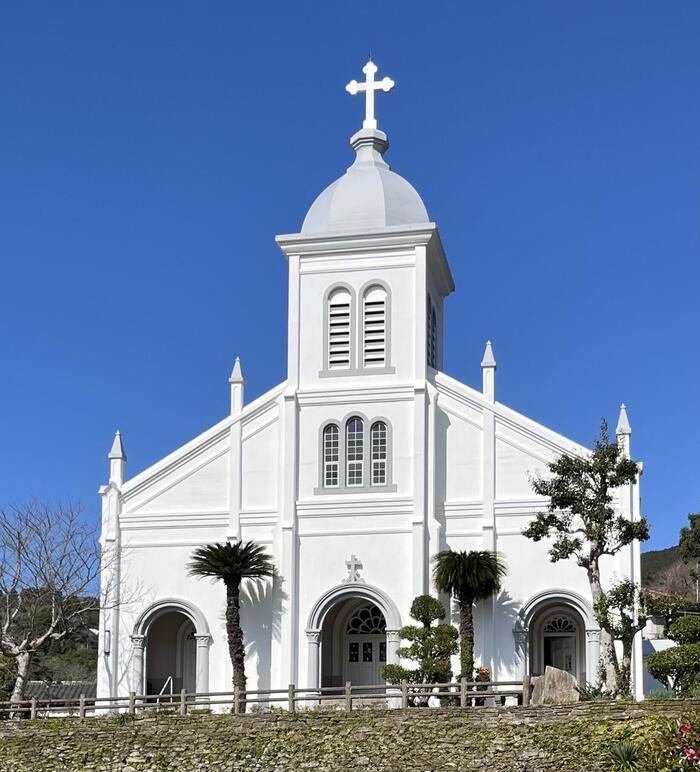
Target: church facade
<point>353,473</point>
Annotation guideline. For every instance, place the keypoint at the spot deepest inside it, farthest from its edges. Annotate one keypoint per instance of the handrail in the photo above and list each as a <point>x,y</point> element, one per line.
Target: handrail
<point>466,694</point>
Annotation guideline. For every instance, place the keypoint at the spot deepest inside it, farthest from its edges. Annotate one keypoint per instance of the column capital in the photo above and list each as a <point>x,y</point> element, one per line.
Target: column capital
<point>313,636</point>
<point>138,641</point>
<point>593,635</point>
<point>393,636</point>
<point>203,639</point>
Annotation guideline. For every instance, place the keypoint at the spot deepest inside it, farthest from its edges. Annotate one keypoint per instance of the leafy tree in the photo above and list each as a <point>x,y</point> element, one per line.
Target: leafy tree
<point>678,668</point>
<point>689,547</point>
<point>430,646</point>
<point>583,524</point>
<point>49,568</point>
<point>469,577</point>
<point>617,608</point>
<point>231,563</point>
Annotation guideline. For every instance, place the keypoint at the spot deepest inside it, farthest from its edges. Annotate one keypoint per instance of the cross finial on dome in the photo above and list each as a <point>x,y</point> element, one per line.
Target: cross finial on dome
<point>369,87</point>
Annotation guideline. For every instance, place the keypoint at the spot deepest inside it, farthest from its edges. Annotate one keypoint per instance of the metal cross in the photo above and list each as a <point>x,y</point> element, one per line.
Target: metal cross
<point>353,565</point>
<point>369,87</point>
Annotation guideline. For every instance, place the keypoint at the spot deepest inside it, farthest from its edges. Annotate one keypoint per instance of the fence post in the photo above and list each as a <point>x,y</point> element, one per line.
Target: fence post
<point>404,693</point>
<point>132,702</point>
<point>81,707</point>
<point>526,691</point>
<point>290,697</point>
<point>236,700</point>
<point>183,702</point>
<point>348,695</point>
<point>463,692</point>
<point>32,713</point>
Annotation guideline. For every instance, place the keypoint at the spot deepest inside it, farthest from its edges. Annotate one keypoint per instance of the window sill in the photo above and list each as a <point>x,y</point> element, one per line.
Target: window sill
<point>342,490</point>
<point>352,372</point>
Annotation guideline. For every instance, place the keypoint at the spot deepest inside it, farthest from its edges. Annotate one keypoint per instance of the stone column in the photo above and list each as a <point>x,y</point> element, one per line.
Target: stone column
<point>592,654</point>
<point>393,640</point>
<point>138,679</point>
<point>202,671</point>
<point>313,640</point>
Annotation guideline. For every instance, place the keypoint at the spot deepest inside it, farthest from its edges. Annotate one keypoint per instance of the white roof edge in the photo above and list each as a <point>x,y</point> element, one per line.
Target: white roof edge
<point>507,413</point>
<point>162,464</point>
<point>311,239</point>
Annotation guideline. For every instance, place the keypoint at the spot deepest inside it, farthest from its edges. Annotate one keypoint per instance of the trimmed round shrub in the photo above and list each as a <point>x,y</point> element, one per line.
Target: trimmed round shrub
<point>685,630</point>
<point>427,610</point>
<point>678,668</point>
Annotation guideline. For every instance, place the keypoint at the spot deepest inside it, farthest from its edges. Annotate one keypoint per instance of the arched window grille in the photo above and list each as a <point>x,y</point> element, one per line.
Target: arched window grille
<point>559,625</point>
<point>367,620</point>
<point>378,451</point>
<point>354,451</point>
<point>331,448</point>
<point>431,324</point>
<point>339,330</point>
<point>374,327</point>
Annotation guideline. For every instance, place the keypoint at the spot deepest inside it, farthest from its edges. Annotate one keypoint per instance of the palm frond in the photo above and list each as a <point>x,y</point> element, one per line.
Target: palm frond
<point>469,576</point>
<point>231,561</point>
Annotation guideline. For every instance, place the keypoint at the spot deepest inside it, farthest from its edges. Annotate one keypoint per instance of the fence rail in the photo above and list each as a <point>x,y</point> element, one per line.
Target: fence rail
<point>464,694</point>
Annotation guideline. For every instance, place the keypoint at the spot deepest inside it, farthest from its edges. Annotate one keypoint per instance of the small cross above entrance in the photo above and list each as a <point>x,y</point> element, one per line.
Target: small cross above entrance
<point>354,565</point>
<point>369,87</point>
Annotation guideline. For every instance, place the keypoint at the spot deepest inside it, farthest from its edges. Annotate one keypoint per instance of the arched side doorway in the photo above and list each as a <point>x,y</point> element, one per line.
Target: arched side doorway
<point>557,639</point>
<point>171,654</point>
<point>353,632</point>
<point>171,646</point>
<point>557,628</point>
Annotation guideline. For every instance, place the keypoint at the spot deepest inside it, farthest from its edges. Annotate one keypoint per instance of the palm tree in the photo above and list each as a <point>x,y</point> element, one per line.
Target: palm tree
<point>232,563</point>
<point>469,577</point>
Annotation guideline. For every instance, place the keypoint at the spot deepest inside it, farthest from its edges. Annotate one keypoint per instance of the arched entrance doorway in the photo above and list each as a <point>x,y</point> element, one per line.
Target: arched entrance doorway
<point>353,644</point>
<point>557,639</point>
<point>171,654</point>
<point>352,632</point>
<point>170,649</point>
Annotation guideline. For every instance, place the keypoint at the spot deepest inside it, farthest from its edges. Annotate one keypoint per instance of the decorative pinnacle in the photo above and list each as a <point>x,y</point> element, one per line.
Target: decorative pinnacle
<point>369,87</point>
<point>117,450</point>
<point>623,424</point>
<point>236,374</point>
<point>488,360</point>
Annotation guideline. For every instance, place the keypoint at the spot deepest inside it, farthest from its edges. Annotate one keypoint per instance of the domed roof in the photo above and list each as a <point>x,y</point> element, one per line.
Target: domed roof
<point>368,195</point>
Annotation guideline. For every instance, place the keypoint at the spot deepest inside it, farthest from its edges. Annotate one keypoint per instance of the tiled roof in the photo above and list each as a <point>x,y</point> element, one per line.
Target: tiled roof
<point>62,690</point>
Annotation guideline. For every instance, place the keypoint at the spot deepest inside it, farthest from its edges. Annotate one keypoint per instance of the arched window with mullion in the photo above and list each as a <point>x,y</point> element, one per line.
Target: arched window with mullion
<point>331,456</point>
<point>354,452</point>
<point>378,453</point>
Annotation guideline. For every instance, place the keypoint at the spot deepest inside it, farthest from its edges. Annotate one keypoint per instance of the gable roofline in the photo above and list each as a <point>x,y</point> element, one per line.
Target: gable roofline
<point>456,389</point>
<point>210,436</point>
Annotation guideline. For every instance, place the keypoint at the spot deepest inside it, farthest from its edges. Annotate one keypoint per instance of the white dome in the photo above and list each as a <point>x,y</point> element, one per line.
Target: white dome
<point>368,195</point>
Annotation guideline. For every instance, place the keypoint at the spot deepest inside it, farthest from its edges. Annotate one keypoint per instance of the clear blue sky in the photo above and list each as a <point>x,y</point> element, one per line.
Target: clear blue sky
<point>149,152</point>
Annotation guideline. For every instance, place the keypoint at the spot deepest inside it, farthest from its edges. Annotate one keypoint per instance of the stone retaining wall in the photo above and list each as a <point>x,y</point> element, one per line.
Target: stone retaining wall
<point>571,737</point>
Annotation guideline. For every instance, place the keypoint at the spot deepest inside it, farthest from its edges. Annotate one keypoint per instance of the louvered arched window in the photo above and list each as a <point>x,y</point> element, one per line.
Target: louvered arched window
<point>339,329</point>
<point>374,327</point>
<point>331,456</point>
<point>354,451</point>
<point>378,451</point>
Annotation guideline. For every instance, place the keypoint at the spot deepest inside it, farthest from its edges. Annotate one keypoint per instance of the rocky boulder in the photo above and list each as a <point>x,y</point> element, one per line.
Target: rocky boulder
<point>555,687</point>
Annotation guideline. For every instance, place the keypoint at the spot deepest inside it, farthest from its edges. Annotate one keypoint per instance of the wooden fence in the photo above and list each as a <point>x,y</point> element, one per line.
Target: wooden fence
<point>463,694</point>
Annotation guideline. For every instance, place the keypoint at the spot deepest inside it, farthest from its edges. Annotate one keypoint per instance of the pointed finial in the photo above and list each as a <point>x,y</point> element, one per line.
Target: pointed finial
<point>117,450</point>
<point>236,374</point>
<point>623,424</point>
<point>488,359</point>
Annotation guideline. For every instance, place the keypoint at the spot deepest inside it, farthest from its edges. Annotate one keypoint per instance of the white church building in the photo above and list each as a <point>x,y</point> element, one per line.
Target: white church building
<point>366,461</point>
